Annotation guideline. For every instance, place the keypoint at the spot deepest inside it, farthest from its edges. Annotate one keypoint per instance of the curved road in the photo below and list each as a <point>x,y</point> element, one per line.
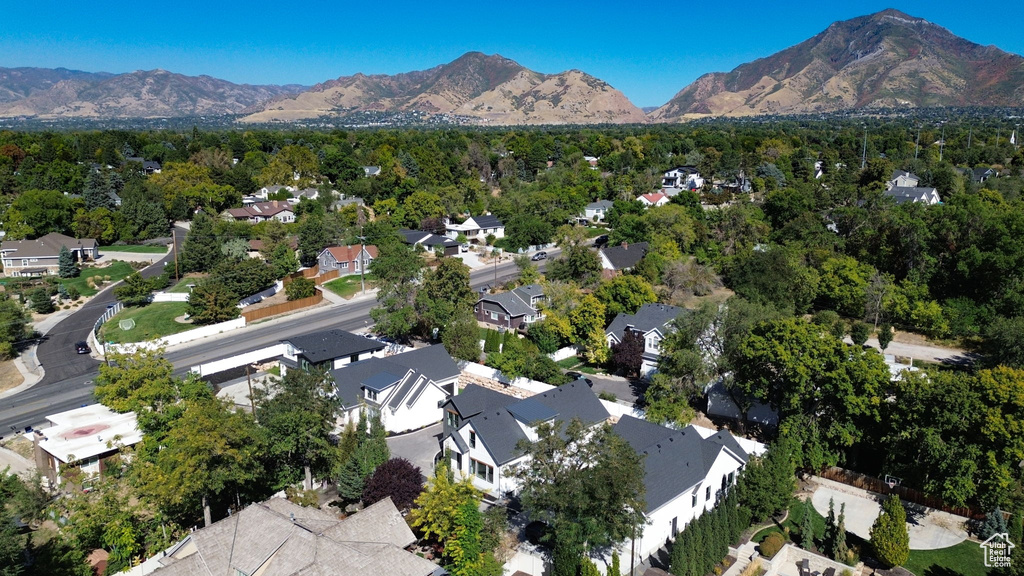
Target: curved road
<point>51,395</point>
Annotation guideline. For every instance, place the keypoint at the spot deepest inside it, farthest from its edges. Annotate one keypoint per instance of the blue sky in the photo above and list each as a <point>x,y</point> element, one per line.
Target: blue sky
<point>649,50</point>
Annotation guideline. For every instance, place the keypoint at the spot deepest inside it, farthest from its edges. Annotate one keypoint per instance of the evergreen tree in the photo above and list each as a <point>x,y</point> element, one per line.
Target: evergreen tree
<point>66,264</point>
<point>841,549</point>
<point>312,238</point>
<point>889,538</point>
<point>994,524</point>
<point>614,569</point>
<point>830,530</point>
<point>96,191</point>
<point>807,527</point>
<point>201,250</point>
<point>1016,527</point>
<point>370,452</point>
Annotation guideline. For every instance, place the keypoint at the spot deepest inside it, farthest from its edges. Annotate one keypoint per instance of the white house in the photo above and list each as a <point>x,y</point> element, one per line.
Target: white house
<point>918,194</point>
<point>407,389</point>
<point>82,438</point>
<point>686,473</point>
<point>477,228</point>
<point>652,322</point>
<point>653,200</point>
<point>596,211</point>
<point>682,178</point>
<point>483,429</point>
<point>903,179</point>
<point>257,212</point>
<point>328,350</point>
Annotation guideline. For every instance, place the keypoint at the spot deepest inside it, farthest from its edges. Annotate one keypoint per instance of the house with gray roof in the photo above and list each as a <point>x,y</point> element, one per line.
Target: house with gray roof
<point>686,472</point>
<point>513,310</point>
<point>596,211</point>
<point>652,323</point>
<point>477,228</point>
<point>430,241</point>
<point>40,257</point>
<point>279,538</point>
<point>407,389</point>
<point>328,350</point>
<point>484,429</point>
<point>622,257</point>
<point>918,194</point>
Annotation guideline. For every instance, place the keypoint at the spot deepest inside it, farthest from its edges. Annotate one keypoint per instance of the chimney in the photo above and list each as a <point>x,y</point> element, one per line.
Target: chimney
<point>625,245</point>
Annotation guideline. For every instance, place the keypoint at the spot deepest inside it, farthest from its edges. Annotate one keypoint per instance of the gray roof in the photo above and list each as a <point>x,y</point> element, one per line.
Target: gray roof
<point>475,399</point>
<point>487,221</point>
<point>47,246</point>
<point>625,255</point>
<point>647,318</point>
<point>675,461</point>
<point>417,368</point>
<point>498,430</point>
<point>599,205</point>
<point>904,194</point>
<point>529,291</point>
<point>330,344</point>
<point>425,238</point>
<point>278,538</point>
<point>511,302</point>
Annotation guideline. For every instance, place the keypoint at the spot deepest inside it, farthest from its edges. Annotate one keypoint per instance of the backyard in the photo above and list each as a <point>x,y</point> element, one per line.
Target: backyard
<point>110,274</point>
<point>152,321</point>
<point>965,559</point>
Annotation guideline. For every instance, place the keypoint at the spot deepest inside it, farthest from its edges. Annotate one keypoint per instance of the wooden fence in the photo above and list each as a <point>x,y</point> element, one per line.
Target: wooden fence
<point>260,313</point>
<point>304,273</point>
<point>317,279</point>
<point>872,484</point>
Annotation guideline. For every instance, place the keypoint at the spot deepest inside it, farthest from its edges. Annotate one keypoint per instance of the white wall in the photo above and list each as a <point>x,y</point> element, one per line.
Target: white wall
<point>239,360</point>
<point>563,353</point>
<point>179,338</point>
<point>424,412</point>
<point>170,297</point>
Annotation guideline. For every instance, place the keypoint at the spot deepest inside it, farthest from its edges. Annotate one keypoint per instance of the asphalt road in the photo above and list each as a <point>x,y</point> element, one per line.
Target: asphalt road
<point>53,395</point>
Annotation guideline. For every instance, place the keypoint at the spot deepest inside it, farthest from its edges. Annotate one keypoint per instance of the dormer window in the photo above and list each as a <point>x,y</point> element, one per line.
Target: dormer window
<point>472,439</point>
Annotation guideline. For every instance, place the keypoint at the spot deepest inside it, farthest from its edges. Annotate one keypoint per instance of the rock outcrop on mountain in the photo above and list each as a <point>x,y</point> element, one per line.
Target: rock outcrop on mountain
<point>887,59</point>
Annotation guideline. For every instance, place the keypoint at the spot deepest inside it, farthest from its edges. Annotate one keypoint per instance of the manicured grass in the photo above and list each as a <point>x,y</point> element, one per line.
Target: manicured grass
<point>347,286</point>
<point>182,287</point>
<point>965,559</point>
<point>116,271</point>
<point>569,363</point>
<point>595,232</point>
<point>135,249</point>
<point>151,322</point>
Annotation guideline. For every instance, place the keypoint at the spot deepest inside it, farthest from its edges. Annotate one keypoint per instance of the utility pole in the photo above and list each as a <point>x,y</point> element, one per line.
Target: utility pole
<point>362,261</point>
<point>917,145</point>
<point>942,142</point>
<point>970,131</point>
<point>252,401</point>
<point>174,240</point>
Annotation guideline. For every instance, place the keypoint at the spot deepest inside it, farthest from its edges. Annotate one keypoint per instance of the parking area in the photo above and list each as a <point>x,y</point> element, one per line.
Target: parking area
<point>929,529</point>
<point>622,388</point>
<point>418,447</point>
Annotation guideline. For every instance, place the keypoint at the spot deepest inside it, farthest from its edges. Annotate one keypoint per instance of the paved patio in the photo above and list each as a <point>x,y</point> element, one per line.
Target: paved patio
<point>929,529</point>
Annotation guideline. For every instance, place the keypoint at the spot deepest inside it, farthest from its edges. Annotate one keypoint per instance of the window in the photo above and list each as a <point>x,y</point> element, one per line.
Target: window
<point>458,460</point>
<point>472,439</point>
<point>707,494</point>
<point>371,395</point>
<point>452,418</point>
<point>694,503</point>
<point>344,265</point>
<point>481,471</point>
<point>494,315</point>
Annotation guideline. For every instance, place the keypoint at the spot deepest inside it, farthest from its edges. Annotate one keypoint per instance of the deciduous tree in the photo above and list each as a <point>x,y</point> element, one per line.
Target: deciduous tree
<point>396,478</point>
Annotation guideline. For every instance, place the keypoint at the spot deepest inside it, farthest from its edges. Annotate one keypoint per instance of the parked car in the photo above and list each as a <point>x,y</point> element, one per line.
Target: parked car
<point>601,240</point>
<point>539,256</point>
<point>82,347</point>
<point>573,376</point>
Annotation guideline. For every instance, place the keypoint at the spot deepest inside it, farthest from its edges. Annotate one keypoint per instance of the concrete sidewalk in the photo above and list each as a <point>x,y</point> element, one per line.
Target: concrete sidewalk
<point>17,464</point>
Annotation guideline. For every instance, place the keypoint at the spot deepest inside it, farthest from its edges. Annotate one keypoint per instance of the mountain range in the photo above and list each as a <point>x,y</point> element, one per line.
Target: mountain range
<point>882,60</point>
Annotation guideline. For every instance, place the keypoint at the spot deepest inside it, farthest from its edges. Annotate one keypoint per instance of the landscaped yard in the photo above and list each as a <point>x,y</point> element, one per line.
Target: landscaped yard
<point>116,271</point>
<point>966,559</point>
<point>152,321</point>
<point>348,286</point>
<point>135,249</point>
<point>182,287</point>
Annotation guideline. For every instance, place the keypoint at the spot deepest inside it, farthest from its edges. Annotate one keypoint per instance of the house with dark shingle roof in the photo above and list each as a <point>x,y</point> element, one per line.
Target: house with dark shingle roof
<point>477,228</point>
<point>622,257</point>
<point>279,538</point>
<point>328,350</point>
<point>652,322</point>
<point>686,472</point>
<point>257,212</point>
<point>483,428</point>
<point>430,241</point>
<point>40,257</point>
<point>346,259</point>
<point>514,309</point>
<point>408,388</point>
<point>903,188</point>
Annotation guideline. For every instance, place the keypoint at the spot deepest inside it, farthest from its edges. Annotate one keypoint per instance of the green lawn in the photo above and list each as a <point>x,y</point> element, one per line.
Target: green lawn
<point>116,271</point>
<point>151,322</point>
<point>135,249</point>
<point>964,559</point>
<point>595,232</point>
<point>182,287</point>
<point>347,286</point>
<point>569,363</point>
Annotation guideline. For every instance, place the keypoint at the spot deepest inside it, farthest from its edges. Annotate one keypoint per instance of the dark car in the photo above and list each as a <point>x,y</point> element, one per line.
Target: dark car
<point>82,347</point>
<point>601,240</point>
<point>539,256</point>
<point>574,376</point>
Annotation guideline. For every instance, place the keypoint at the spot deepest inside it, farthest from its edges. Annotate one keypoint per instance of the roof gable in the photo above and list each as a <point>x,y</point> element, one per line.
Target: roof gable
<point>330,344</point>
<point>624,255</point>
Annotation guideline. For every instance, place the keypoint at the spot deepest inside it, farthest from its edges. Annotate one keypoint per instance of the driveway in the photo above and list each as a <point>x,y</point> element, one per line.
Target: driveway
<point>622,388</point>
<point>418,447</point>
<point>929,529</point>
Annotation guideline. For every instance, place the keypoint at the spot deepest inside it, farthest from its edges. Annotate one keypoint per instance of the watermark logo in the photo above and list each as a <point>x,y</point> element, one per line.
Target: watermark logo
<point>997,550</point>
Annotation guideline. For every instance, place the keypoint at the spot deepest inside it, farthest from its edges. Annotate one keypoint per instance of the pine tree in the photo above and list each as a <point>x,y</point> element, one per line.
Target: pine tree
<point>66,264</point>
<point>889,538</point>
<point>807,527</point>
<point>96,191</point>
<point>841,549</point>
<point>614,569</point>
<point>830,530</point>
<point>994,524</point>
<point>201,250</point>
<point>350,480</point>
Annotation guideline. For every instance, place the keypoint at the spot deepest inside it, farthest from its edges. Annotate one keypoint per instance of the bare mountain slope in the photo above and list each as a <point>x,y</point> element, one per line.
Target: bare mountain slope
<point>882,60</point>
<point>491,88</point>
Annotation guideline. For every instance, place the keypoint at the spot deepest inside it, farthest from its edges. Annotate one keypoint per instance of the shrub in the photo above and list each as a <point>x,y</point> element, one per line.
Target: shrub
<point>397,478</point>
<point>752,568</point>
<point>300,288</point>
<point>73,293</point>
<point>41,301</point>
<point>771,544</point>
<point>607,396</point>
